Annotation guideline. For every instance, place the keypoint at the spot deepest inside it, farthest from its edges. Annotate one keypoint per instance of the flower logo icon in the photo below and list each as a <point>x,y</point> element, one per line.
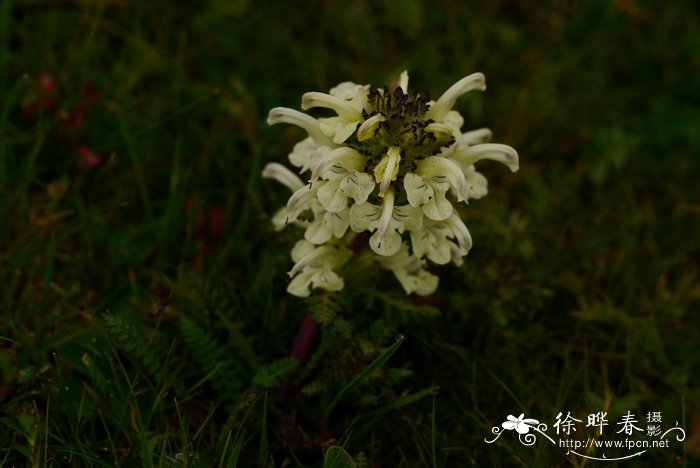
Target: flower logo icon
<point>521,425</point>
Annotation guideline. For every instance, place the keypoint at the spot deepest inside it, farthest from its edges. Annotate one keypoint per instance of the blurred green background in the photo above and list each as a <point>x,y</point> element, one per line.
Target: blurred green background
<point>144,313</point>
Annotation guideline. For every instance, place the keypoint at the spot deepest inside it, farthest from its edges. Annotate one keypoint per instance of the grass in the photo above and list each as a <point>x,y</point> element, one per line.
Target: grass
<point>144,314</point>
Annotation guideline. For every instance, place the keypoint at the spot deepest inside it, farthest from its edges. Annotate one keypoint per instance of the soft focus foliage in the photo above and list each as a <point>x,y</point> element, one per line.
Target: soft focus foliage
<point>144,313</point>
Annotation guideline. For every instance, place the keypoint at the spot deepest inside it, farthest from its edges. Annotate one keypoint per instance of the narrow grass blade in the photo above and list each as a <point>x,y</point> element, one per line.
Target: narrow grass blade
<point>365,374</point>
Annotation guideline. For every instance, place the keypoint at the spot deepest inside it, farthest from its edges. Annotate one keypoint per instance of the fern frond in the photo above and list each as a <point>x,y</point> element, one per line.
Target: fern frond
<point>271,375</point>
<point>324,308</point>
<point>148,351</point>
<point>212,358</point>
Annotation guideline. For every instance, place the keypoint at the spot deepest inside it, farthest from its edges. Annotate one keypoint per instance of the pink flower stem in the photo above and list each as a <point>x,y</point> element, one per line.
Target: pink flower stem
<point>305,338</point>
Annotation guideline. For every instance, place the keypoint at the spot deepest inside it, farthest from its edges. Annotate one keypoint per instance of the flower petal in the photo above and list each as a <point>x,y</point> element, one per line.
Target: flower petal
<point>331,197</point>
<point>387,169</point>
<point>403,81</point>
<point>364,216</point>
<point>301,200</point>
<point>473,137</point>
<point>352,93</point>
<point>300,285</point>
<point>282,175</point>
<point>443,105</point>
<point>387,245</point>
<point>344,156</point>
<point>328,280</point>
<point>306,154</point>
<point>343,108</point>
<point>438,208</point>
<point>438,166</point>
<point>294,117</point>
<point>369,127</point>
<point>494,151</point>
<point>358,186</point>
<point>387,215</point>
<point>337,128</point>
<point>418,191</point>
<point>478,185</point>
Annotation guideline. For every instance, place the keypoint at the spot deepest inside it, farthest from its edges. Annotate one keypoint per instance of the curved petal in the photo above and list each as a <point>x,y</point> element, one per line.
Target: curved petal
<point>344,156</point>
<point>331,197</point>
<point>282,175</point>
<point>386,217</point>
<point>364,216</point>
<point>387,245</point>
<point>438,166</point>
<point>473,137</point>
<point>369,127</point>
<point>418,191</point>
<point>343,108</point>
<point>301,249</point>
<point>337,223</point>
<point>387,169</point>
<point>306,153</point>
<point>494,151</point>
<point>317,232</point>
<point>300,285</point>
<point>438,208</point>
<point>460,233</point>
<point>403,81</point>
<point>337,128</point>
<point>328,280</point>
<point>441,131</point>
<point>478,185</point>
<point>358,186</point>
<point>407,218</point>
<point>438,110</point>
<point>309,259</point>
<point>301,200</point>
<point>354,94</point>
<point>294,117</point>
<point>425,283</point>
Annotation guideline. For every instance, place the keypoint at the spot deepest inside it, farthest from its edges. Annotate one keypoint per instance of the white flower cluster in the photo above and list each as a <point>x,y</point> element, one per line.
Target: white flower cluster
<point>387,163</point>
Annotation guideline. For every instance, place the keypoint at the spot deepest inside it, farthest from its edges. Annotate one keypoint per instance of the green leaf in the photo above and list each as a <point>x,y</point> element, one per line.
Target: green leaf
<point>271,376</point>
<point>365,374</point>
<point>337,457</point>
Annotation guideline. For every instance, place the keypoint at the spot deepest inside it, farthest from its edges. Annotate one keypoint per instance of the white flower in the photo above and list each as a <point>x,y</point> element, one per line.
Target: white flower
<point>442,241</point>
<point>369,127</point>
<point>446,168</point>
<point>303,199</point>
<point>478,185</point>
<point>327,224</point>
<point>341,168</point>
<point>386,221</point>
<point>307,153</point>
<point>308,123</point>
<point>341,186</point>
<point>287,178</point>
<point>385,172</point>
<point>467,156</point>
<point>409,270</point>
<point>431,241</point>
<point>347,100</point>
<point>314,268</point>
<point>390,162</point>
<point>438,110</point>
<point>428,193</point>
<point>463,239</point>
